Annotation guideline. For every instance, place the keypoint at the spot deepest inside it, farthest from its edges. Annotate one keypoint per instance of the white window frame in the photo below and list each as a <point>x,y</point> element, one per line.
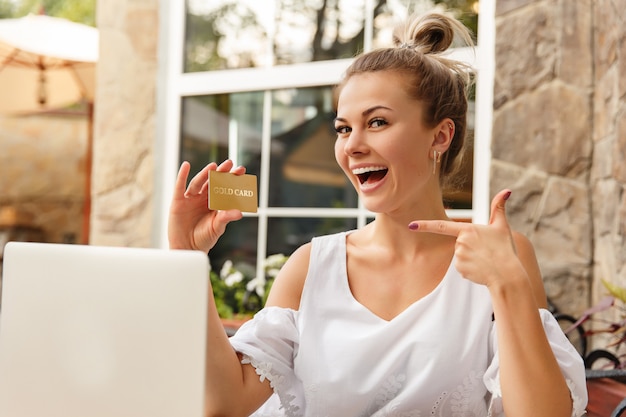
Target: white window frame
<point>174,84</point>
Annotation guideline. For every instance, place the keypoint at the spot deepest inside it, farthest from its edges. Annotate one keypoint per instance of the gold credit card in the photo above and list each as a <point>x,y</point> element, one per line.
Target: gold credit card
<point>229,191</point>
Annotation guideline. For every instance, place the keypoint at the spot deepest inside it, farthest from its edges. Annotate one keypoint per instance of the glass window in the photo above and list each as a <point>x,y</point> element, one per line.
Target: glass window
<point>285,235</point>
<point>459,195</point>
<point>388,13</point>
<point>238,244</point>
<point>220,126</point>
<point>227,34</point>
<point>318,30</point>
<point>303,169</point>
<point>300,184</point>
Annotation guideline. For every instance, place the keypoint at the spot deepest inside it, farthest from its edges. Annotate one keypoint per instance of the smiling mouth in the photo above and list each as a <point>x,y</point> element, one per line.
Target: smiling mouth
<point>370,175</point>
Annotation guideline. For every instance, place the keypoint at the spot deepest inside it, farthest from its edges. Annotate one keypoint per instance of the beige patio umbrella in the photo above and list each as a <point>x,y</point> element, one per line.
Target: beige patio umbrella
<point>48,63</point>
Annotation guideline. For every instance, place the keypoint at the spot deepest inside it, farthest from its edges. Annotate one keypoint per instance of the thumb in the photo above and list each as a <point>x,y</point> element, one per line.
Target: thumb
<point>498,212</point>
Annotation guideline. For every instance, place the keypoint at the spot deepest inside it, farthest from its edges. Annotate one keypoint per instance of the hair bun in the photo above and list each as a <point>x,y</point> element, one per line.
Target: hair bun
<point>429,33</point>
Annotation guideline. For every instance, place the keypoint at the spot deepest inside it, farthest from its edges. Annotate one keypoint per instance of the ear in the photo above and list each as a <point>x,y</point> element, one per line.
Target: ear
<point>444,132</point>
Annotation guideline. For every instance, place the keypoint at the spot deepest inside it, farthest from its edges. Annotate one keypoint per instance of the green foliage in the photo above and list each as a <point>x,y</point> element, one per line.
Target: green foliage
<point>7,9</point>
<point>465,10</point>
<point>204,33</point>
<point>80,11</point>
<point>237,292</point>
<point>616,291</point>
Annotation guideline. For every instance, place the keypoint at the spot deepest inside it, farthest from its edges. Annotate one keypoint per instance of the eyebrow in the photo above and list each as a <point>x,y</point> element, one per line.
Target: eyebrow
<point>366,112</point>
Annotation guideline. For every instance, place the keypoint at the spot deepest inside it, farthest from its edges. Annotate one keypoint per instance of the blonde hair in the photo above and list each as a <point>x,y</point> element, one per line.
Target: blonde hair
<point>440,83</point>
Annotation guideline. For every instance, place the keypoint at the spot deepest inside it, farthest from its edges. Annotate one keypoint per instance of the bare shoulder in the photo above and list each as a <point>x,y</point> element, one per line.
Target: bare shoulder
<point>287,288</point>
<point>526,254</point>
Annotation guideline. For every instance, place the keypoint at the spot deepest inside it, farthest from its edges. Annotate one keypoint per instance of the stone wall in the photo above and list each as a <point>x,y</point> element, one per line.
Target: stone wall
<point>42,176</point>
<point>559,139</point>
<point>543,143</point>
<point>608,174</point>
<point>123,169</point>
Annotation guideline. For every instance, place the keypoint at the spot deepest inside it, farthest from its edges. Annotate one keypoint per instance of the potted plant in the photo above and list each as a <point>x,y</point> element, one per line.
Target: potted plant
<point>239,293</point>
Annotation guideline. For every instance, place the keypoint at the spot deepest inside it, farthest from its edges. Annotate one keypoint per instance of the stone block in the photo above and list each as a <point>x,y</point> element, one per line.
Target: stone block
<point>605,202</point>
<point>117,158</point>
<point>563,232</point>
<point>622,62</point>
<point>110,14</point>
<point>526,56</point>
<point>606,36</point>
<point>620,234</point>
<point>120,204</point>
<point>606,265</point>
<point>527,188</point>
<point>42,173</point>
<point>605,104</point>
<point>546,130</point>
<point>140,24</point>
<point>575,63</point>
<point>506,6</point>
<point>567,286</point>
<point>619,149</point>
<point>602,165</point>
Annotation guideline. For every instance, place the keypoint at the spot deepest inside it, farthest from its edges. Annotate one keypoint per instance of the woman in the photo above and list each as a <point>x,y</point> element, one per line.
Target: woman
<point>413,314</point>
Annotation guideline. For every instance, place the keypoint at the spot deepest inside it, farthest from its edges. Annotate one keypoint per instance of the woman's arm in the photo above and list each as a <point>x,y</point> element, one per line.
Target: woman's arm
<point>244,393</point>
<point>288,284</point>
<point>531,380</point>
<point>231,388</point>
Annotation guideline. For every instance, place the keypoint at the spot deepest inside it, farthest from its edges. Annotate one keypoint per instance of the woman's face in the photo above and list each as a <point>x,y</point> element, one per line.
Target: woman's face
<point>382,143</point>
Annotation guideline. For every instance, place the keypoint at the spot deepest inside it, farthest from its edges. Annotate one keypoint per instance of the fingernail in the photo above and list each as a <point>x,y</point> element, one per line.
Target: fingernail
<point>507,195</point>
<point>414,226</point>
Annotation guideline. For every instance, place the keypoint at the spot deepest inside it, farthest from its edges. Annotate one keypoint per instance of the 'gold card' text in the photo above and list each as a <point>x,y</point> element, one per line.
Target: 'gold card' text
<point>229,191</point>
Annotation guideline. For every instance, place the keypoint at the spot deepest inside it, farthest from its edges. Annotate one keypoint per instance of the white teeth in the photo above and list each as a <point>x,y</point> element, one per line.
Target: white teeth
<point>365,170</point>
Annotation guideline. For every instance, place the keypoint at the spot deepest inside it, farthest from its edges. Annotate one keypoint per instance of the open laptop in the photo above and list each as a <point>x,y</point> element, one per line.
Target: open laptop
<point>88,331</point>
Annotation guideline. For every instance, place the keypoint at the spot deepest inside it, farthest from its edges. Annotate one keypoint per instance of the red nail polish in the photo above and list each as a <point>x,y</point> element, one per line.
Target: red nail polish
<point>414,226</point>
<point>507,195</point>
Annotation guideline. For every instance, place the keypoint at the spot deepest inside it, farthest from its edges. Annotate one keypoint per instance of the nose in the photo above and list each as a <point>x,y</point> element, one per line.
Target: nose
<point>356,143</point>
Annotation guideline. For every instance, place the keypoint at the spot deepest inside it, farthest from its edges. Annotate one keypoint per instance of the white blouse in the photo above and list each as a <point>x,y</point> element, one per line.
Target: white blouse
<point>334,357</point>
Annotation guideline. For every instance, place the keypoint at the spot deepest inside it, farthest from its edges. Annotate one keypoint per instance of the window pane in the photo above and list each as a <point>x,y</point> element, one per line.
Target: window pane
<point>460,196</point>
<point>387,16</point>
<point>224,34</point>
<point>285,235</point>
<point>391,12</point>
<point>318,30</point>
<point>303,169</point>
<point>210,124</point>
<point>238,244</point>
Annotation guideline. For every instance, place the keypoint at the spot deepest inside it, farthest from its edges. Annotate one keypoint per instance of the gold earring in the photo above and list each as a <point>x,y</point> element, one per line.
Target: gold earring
<point>436,160</point>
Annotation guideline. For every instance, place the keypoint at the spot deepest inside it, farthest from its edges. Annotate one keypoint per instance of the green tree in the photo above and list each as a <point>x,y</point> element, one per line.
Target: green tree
<point>205,31</point>
<point>81,11</point>
<point>466,10</point>
<point>7,9</point>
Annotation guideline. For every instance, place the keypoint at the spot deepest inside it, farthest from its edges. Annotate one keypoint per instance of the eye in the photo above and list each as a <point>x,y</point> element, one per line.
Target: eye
<point>342,129</point>
<point>378,122</point>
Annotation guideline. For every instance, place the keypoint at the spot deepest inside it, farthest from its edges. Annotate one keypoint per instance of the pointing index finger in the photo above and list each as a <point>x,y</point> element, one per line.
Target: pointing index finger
<point>442,227</point>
